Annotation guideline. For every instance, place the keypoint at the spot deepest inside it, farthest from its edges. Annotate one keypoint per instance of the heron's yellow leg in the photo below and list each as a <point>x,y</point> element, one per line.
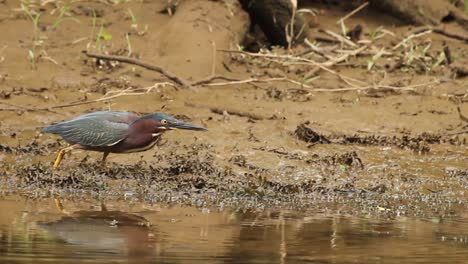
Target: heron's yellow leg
<point>58,204</point>
<point>60,207</point>
<point>103,206</point>
<point>104,156</point>
<point>61,153</point>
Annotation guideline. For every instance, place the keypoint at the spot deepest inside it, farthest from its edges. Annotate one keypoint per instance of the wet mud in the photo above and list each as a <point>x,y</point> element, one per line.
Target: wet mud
<point>270,144</point>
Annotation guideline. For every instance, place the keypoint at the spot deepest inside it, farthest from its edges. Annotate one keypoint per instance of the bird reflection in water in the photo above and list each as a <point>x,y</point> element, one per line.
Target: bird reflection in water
<point>104,231</point>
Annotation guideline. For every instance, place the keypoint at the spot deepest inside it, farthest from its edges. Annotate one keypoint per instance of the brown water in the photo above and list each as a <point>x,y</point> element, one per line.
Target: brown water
<point>127,231</point>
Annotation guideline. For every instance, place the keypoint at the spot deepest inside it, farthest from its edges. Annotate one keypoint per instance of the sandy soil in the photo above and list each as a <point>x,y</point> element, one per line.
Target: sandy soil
<point>383,150</point>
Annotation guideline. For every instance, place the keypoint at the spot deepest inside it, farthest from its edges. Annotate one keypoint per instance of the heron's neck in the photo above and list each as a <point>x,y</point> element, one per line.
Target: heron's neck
<point>141,135</point>
<point>144,126</point>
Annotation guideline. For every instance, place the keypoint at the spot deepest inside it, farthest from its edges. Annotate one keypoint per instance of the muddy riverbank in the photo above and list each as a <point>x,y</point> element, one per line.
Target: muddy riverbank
<point>387,137</point>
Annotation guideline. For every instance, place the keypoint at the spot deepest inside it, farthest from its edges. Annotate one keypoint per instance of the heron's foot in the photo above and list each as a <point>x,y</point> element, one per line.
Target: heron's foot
<point>60,155</point>
<point>60,207</point>
<point>102,165</point>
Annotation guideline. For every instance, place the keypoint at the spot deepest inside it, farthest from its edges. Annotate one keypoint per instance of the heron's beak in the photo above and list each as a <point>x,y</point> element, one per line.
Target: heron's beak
<point>186,126</point>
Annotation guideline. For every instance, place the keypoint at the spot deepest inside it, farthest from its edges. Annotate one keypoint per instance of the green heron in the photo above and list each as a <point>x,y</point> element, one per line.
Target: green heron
<point>114,132</point>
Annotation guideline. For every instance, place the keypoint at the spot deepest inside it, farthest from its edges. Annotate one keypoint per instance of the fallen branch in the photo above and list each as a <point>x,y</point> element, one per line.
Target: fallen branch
<point>299,60</point>
<point>313,48</point>
<point>345,56</point>
<point>222,111</point>
<point>338,37</point>
<point>441,31</point>
<point>256,80</point>
<point>350,14</point>
<point>143,64</point>
<point>457,133</point>
<point>412,36</point>
<point>462,117</point>
<point>108,96</point>
<point>379,86</point>
<point>212,78</point>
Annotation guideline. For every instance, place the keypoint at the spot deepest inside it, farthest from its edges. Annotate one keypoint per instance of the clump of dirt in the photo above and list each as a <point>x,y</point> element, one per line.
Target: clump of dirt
<point>308,135</point>
<point>419,143</point>
<point>241,161</point>
<point>351,159</point>
<point>34,147</point>
<point>40,176</point>
<point>457,173</point>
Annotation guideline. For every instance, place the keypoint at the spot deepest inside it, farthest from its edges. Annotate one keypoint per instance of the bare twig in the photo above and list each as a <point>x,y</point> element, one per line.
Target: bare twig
<point>256,80</point>
<point>412,36</point>
<point>345,56</point>
<point>299,60</point>
<point>108,96</point>
<point>212,78</point>
<point>246,81</point>
<point>338,37</point>
<point>213,75</point>
<point>213,63</point>
<point>457,133</point>
<point>350,14</point>
<point>441,31</point>
<point>313,48</point>
<point>289,29</point>
<point>378,86</point>
<point>462,117</point>
<point>222,111</point>
<point>143,64</point>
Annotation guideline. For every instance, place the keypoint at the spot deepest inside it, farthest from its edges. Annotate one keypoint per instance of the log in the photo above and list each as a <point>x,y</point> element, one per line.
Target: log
<point>273,16</point>
<point>422,12</point>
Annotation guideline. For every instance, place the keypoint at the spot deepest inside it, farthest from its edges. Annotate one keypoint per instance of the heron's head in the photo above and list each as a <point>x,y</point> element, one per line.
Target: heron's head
<point>162,122</point>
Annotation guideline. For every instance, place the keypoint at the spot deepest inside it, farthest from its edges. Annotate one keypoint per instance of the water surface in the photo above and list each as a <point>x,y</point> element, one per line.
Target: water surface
<point>120,232</point>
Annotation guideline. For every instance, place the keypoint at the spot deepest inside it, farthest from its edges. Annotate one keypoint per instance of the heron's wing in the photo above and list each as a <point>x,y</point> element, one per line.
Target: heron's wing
<point>96,129</point>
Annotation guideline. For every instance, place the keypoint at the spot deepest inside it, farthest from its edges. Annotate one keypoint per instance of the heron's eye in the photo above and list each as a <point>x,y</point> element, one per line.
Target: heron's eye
<point>164,122</point>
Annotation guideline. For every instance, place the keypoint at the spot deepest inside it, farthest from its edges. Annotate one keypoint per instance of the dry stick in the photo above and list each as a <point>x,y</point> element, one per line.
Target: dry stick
<point>416,35</point>
<point>346,89</point>
<point>462,117</point>
<point>247,81</point>
<point>350,14</point>
<point>143,64</point>
<point>106,97</point>
<point>312,48</point>
<point>213,75</point>
<point>321,66</point>
<point>12,109</point>
<point>450,34</point>
<point>457,133</point>
<point>256,80</point>
<point>338,37</point>
<point>132,91</point>
<point>26,109</point>
<point>213,62</point>
<point>377,86</point>
<point>345,56</point>
<point>290,33</point>
<point>441,31</point>
<point>347,80</point>
<point>212,78</point>
<point>223,110</point>
<point>19,107</point>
